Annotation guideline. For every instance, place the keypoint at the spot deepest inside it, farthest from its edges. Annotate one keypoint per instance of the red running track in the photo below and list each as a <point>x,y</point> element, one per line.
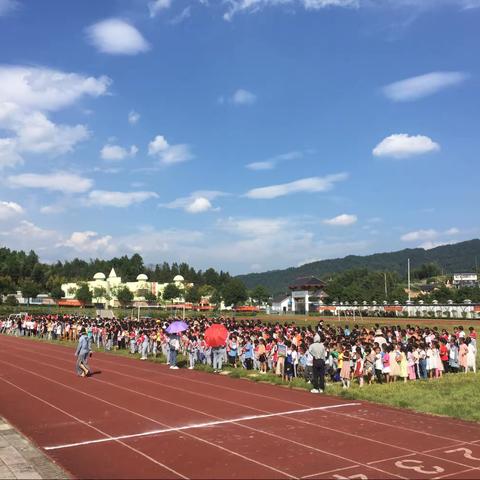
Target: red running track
<point>142,420</point>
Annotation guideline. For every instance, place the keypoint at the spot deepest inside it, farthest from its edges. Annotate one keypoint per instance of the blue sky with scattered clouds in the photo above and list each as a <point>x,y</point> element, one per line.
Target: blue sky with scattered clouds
<point>242,134</point>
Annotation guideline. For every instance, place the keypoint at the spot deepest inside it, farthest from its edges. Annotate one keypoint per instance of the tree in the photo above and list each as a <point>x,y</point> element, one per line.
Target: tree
<point>234,292</point>
<point>150,298</point>
<point>171,292</point>
<point>193,295</point>
<point>55,281</point>
<point>216,298</point>
<point>124,296</point>
<point>99,293</point>
<point>427,270</point>
<point>260,294</point>
<point>6,285</point>
<point>11,301</point>
<point>30,290</point>
<point>363,285</point>
<point>57,293</point>
<point>83,294</point>
<point>206,290</point>
<point>39,274</point>
<point>211,277</point>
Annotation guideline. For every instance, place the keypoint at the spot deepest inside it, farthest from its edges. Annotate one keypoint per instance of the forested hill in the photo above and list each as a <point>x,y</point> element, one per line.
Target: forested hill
<point>459,257</point>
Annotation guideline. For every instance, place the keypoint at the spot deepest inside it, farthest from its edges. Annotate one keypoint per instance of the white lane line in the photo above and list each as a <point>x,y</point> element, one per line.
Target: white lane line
<point>198,425</point>
<point>202,440</point>
<point>94,428</point>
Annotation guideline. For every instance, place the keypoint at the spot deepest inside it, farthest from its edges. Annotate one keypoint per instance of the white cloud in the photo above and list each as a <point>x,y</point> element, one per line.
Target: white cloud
<point>26,235</point>
<point>7,6</point>
<point>115,153</point>
<point>88,242</point>
<point>419,235</point>
<point>341,220</point>
<point>243,97</point>
<point>116,37</point>
<point>35,133</point>
<point>156,6</point>
<point>169,154</point>
<point>40,88</point>
<point>182,16</point>
<point>25,94</point>
<point>9,157</point>
<point>319,4</point>
<point>254,6</point>
<point>243,242</point>
<point>199,205</point>
<point>133,117</point>
<point>52,209</point>
<point>272,162</point>
<point>264,165</point>
<point>430,238</point>
<point>422,86</point>
<point>58,181</point>
<point>25,232</point>
<point>197,202</point>
<point>312,184</point>
<point>429,245</point>
<point>470,4</point>
<point>257,227</point>
<point>10,210</point>
<point>402,145</point>
<point>117,199</point>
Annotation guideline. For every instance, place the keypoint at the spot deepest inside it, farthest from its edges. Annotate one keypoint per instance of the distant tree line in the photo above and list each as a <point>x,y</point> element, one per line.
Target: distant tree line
<point>364,285</point>
<point>24,271</point>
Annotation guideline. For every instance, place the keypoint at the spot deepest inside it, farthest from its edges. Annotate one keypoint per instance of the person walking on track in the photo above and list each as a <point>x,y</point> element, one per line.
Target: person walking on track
<point>82,353</point>
<point>317,350</point>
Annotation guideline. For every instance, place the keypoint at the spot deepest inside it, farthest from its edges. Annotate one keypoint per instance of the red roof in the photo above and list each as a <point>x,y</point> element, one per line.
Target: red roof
<point>70,303</point>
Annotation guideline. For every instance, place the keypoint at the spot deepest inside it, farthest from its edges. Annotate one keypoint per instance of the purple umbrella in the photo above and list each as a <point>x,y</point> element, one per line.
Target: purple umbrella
<point>177,327</point>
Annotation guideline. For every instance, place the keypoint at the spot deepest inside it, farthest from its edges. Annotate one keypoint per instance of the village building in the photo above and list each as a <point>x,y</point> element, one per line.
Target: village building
<point>306,295</point>
<point>104,289</point>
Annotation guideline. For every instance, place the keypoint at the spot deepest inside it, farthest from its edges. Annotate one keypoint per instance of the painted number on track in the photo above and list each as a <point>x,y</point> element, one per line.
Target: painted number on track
<point>357,476</point>
<point>467,453</point>
<point>418,466</point>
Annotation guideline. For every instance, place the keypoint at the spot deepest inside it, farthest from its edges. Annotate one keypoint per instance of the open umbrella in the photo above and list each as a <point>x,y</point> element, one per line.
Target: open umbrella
<point>216,335</point>
<point>177,327</point>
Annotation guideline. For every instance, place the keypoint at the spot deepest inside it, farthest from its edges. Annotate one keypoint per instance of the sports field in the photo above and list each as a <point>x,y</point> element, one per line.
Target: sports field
<point>133,420</point>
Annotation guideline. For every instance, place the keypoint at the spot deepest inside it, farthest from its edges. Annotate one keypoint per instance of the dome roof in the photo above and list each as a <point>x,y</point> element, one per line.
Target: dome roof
<point>99,276</point>
<point>178,278</point>
<point>142,277</point>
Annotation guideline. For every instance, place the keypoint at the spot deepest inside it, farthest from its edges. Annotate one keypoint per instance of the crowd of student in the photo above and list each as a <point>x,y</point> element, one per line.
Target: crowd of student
<point>360,354</point>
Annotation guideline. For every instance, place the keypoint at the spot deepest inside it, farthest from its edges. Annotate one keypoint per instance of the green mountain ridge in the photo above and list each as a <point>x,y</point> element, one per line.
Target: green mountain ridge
<point>453,258</point>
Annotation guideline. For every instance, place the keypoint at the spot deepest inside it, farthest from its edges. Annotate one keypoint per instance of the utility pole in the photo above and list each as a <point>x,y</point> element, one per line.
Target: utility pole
<point>386,289</point>
<point>408,270</point>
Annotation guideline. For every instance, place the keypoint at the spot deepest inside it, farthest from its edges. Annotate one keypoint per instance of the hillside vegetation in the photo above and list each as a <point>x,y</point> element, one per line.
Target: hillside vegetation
<point>459,257</point>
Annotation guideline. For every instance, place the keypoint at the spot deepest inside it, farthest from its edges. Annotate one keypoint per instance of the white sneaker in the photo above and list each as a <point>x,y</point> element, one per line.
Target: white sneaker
<point>313,390</point>
<point>174,367</point>
<point>190,368</point>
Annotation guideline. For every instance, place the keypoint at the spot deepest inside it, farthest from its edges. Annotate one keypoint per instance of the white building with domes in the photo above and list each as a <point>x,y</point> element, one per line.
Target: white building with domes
<point>109,286</point>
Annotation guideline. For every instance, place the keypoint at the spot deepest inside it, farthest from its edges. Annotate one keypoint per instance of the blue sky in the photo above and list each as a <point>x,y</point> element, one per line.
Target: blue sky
<point>244,135</point>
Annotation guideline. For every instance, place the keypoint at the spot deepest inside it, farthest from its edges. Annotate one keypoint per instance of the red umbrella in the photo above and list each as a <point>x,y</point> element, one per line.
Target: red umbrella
<point>216,335</point>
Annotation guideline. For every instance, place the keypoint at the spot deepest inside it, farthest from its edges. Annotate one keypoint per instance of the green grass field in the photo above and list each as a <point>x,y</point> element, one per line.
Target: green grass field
<point>453,395</point>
